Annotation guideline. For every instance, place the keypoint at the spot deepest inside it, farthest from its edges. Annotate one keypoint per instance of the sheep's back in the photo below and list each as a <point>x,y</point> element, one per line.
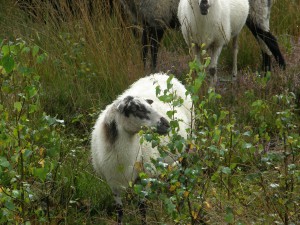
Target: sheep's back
<point>158,13</point>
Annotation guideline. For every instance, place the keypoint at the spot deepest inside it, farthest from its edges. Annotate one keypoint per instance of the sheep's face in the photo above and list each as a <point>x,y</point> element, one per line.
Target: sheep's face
<point>204,6</point>
<point>136,112</point>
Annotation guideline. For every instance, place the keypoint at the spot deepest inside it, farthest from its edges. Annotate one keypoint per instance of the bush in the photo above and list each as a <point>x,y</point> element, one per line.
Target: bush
<point>29,139</point>
<point>225,168</point>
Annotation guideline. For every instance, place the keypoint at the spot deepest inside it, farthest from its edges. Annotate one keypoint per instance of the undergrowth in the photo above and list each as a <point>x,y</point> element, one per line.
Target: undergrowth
<point>240,164</point>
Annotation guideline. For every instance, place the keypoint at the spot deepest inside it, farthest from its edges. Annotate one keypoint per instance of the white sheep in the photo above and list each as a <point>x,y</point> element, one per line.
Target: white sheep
<point>116,151</point>
<point>213,23</point>
<point>258,22</point>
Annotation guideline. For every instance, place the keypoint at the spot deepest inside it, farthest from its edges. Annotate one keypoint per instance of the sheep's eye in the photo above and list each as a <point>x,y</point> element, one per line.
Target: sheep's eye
<point>149,101</point>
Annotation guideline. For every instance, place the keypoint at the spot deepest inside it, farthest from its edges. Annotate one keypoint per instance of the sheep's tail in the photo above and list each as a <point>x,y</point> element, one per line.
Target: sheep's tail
<point>271,42</point>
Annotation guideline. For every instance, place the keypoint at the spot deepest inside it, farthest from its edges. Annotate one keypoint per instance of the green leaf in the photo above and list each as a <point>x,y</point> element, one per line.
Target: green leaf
<point>27,153</point>
<point>40,173</point>
<point>15,193</point>
<point>170,114</point>
<point>5,50</point>
<point>25,50</point>
<point>9,205</point>
<point>33,108</point>
<point>226,170</point>
<point>229,218</point>
<point>18,106</point>
<point>8,63</point>
<point>4,162</point>
<point>41,58</point>
<point>247,145</point>
<point>35,50</point>
<point>31,91</point>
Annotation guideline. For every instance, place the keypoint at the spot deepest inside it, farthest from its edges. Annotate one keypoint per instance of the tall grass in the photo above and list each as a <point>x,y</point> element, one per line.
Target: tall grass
<point>91,58</point>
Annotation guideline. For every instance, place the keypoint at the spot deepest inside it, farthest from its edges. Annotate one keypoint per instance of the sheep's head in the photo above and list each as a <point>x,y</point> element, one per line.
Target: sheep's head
<point>204,6</point>
<point>136,112</point>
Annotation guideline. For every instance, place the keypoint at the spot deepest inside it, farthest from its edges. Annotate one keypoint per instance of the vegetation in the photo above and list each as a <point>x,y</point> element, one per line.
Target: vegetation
<point>240,164</point>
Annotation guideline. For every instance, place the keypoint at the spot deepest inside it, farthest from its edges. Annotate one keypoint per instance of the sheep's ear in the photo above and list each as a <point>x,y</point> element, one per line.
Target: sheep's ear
<point>124,103</point>
<point>121,107</point>
<point>150,101</point>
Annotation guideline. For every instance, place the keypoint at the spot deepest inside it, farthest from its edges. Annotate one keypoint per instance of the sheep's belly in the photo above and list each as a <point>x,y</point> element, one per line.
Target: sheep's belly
<point>206,33</point>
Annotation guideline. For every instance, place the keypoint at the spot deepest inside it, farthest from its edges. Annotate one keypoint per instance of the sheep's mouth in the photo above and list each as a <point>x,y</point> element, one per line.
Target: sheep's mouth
<point>162,131</point>
<point>204,7</point>
<point>163,127</point>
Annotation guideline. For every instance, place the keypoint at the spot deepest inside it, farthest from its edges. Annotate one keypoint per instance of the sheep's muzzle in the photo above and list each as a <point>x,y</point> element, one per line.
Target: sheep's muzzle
<point>204,6</point>
<point>163,126</point>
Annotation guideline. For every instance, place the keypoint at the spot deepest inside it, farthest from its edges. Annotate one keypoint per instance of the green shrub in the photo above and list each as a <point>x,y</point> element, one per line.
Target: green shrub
<point>221,159</point>
<point>29,139</point>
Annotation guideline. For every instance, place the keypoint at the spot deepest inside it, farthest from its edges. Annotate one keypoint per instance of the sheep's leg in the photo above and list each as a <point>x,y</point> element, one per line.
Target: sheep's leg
<point>143,208</point>
<point>272,44</point>
<point>155,38</point>
<point>269,41</point>
<point>235,53</point>
<point>145,45</point>
<point>266,55</point>
<point>119,207</point>
<point>119,214</point>
<point>215,53</point>
<point>196,51</point>
<point>266,64</point>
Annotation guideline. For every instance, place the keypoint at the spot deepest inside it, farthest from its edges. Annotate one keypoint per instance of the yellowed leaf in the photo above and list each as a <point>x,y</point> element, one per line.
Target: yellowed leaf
<point>207,205</point>
<point>194,214</point>
<point>186,194</point>
<point>172,188</point>
<point>42,162</point>
<point>41,151</point>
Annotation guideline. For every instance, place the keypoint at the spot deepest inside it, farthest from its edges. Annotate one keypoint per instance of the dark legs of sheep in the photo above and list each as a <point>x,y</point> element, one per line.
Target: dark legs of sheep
<point>119,206</point>
<point>266,65</point>
<point>143,208</point>
<point>271,43</point>
<point>153,36</point>
<point>145,45</point>
<point>119,209</point>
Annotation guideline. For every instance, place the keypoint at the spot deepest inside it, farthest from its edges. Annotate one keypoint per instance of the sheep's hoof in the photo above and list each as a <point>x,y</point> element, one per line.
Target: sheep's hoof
<point>213,81</point>
<point>213,77</point>
<point>212,71</point>
<point>234,77</point>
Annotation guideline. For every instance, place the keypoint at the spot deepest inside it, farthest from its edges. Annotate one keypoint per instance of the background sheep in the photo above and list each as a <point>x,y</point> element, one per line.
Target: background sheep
<point>214,24</point>
<point>259,24</point>
<point>155,17</point>
<point>115,143</point>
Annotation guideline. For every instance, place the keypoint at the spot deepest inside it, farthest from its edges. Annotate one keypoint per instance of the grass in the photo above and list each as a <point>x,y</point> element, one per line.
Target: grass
<point>93,59</point>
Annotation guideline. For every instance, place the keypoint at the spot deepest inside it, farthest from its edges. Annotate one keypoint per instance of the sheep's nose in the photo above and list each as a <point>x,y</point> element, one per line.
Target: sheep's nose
<point>204,7</point>
<point>164,122</point>
<point>163,126</point>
